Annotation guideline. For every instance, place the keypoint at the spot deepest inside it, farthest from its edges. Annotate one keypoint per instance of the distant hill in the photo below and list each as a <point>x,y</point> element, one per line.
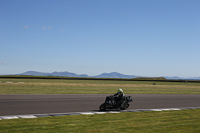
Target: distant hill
<point>65,74</point>
<point>69,74</point>
<point>103,75</point>
<point>114,75</point>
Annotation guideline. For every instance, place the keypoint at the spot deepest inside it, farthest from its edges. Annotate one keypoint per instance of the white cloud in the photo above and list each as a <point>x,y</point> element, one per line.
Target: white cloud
<point>47,27</point>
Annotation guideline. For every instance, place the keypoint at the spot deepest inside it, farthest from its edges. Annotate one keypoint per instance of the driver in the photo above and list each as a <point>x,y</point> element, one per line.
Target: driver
<point>120,96</point>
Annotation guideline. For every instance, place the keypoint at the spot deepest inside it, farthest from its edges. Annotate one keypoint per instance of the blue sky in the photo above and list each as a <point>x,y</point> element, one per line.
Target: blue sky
<point>134,37</point>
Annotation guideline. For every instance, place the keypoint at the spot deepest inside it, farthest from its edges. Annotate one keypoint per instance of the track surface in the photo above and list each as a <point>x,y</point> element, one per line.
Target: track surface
<point>64,103</point>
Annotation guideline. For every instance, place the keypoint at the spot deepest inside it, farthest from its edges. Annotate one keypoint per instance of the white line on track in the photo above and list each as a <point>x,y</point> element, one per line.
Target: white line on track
<point>90,113</point>
<point>26,116</point>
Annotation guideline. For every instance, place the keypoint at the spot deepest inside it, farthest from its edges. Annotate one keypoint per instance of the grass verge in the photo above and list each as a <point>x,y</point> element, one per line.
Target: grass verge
<point>166,121</point>
<point>59,86</point>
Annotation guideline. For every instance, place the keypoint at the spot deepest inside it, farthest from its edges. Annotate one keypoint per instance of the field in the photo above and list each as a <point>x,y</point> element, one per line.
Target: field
<point>60,86</point>
<point>182,121</point>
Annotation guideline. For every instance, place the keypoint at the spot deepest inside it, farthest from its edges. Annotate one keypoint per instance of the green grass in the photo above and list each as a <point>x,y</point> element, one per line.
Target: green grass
<point>182,121</point>
<point>60,86</point>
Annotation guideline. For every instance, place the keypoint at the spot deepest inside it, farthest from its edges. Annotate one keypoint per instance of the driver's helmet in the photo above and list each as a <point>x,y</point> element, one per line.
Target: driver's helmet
<point>120,91</point>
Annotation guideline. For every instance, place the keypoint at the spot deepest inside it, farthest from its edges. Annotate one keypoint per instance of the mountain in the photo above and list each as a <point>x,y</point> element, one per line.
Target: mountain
<point>65,74</point>
<point>68,74</point>
<point>114,75</point>
<point>34,73</point>
<point>177,78</point>
<point>103,75</point>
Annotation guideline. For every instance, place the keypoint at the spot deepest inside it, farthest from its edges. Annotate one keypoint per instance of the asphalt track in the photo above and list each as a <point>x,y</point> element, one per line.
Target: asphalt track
<point>66,103</point>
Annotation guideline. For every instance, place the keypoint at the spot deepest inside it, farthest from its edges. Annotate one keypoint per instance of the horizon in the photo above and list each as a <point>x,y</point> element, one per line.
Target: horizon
<point>148,38</point>
<point>104,73</point>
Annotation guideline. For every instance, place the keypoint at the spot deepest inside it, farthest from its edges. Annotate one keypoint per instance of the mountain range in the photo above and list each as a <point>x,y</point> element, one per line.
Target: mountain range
<point>69,74</point>
<point>103,75</point>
